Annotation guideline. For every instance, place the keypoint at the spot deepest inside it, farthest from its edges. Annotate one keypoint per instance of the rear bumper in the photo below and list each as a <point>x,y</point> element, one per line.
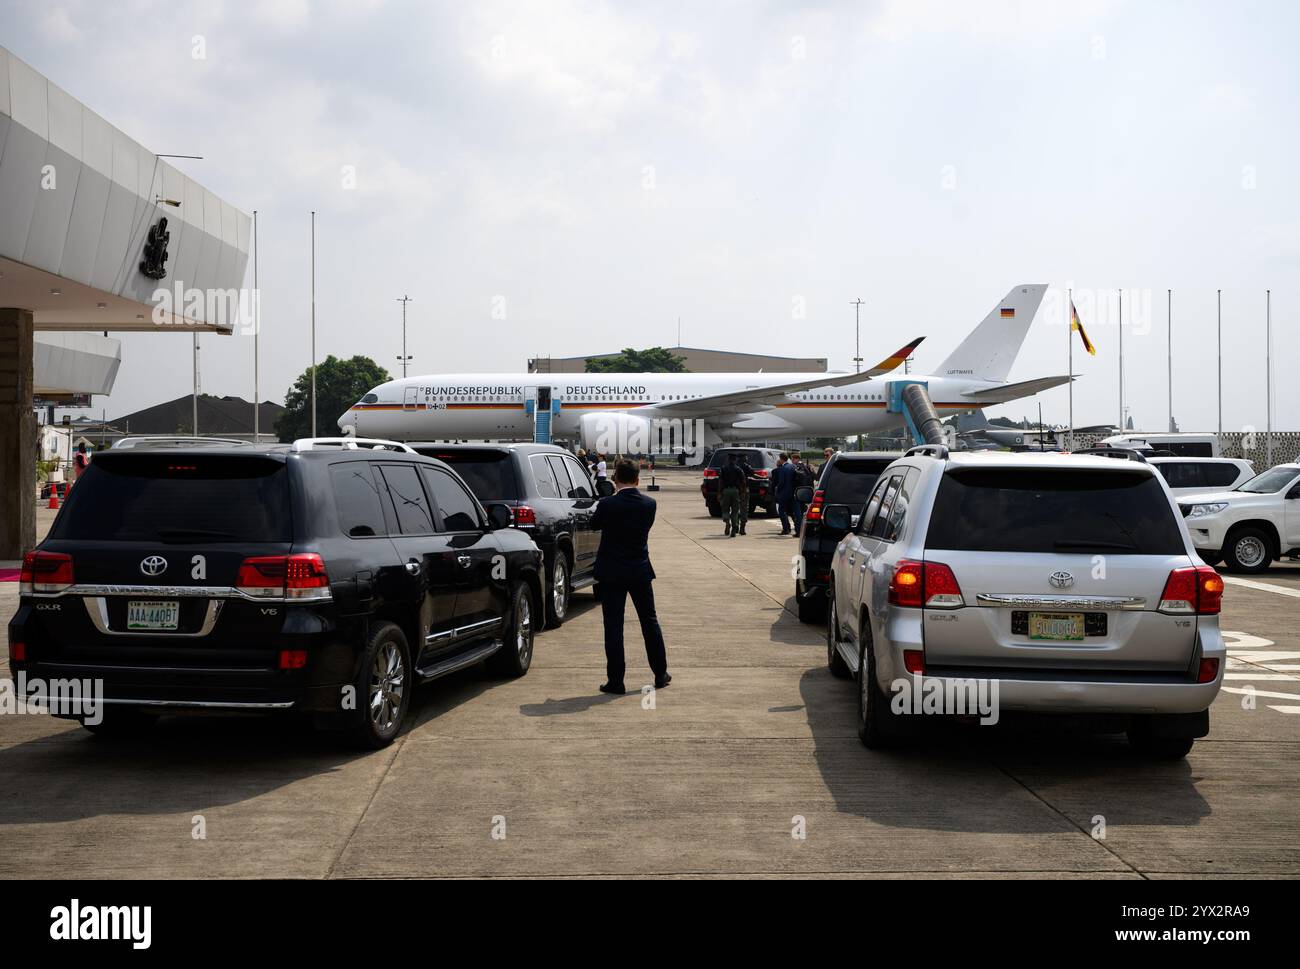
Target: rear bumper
<point>1045,690</point>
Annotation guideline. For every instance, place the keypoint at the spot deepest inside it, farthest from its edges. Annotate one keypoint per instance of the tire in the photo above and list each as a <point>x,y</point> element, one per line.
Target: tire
<point>812,608</point>
<point>384,684</point>
<point>1210,558</point>
<point>515,656</point>
<point>559,593</point>
<point>715,511</point>
<point>121,723</point>
<point>834,661</point>
<point>1248,550</point>
<point>877,727</point>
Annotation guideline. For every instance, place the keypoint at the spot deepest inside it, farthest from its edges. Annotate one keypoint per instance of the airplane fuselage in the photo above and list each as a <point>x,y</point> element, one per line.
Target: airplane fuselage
<point>500,406</point>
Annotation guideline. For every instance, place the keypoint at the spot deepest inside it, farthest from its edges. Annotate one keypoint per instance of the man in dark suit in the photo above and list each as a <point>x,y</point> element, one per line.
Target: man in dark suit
<point>623,568</point>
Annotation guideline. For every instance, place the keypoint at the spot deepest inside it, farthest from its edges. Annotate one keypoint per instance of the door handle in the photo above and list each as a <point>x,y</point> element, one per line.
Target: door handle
<point>413,567</point>
<point>464,561</point>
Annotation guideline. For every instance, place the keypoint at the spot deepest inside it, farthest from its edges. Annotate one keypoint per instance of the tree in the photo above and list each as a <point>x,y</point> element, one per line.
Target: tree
<point>652,360</point>
<point>339,385</point>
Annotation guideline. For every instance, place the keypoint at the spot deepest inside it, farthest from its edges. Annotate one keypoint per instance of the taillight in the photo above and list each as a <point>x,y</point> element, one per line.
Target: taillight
<point>17,652</point>
<point>929,585</point>
<point>710,472</point>
<point>1208,672</point>
<point>1194,590</point>
<point>45,572</point>
<point>524,515</point>
<point>293,659</point>
<point>301,576</point>
<point>814,513</point>
<point>914,661</point>
<point>761,473</point>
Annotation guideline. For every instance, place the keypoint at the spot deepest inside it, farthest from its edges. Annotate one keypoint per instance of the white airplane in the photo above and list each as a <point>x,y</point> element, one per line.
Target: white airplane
<point>606,411</point>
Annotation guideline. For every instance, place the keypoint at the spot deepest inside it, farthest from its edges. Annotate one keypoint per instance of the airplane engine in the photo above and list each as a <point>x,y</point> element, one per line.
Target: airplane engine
<point>617,433</point>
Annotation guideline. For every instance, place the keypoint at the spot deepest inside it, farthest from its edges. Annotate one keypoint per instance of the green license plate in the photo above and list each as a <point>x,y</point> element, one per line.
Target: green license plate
<point>153,615</point>
<point>1060,627</point>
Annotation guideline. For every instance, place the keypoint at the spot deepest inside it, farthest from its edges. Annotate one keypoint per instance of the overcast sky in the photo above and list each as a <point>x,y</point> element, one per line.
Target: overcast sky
<point>596,170</point>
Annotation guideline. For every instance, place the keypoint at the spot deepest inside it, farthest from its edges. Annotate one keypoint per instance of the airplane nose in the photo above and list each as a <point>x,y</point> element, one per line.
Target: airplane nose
<point>348,422</point>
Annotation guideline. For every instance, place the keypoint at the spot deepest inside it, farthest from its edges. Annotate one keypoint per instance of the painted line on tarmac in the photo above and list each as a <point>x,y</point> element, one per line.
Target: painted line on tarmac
<point>1265,693</point>
<point>1262,586</point>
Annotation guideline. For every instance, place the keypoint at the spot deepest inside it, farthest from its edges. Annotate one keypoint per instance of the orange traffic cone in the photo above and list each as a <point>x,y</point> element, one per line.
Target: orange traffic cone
<point>54,497</point>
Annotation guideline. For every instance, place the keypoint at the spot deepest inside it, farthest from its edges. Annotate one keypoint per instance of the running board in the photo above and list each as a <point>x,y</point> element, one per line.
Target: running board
<point>586,582</point>
<point>459,661</point>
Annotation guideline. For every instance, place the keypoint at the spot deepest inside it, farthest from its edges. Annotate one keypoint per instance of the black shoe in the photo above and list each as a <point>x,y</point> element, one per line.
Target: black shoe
<point>615,688</point>
<point>742,531</point>
<point>662,681</point>
<point>727,531</point>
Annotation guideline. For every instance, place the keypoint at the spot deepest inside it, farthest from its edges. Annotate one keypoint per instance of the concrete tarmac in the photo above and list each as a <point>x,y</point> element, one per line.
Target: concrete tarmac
<point>751,746</point>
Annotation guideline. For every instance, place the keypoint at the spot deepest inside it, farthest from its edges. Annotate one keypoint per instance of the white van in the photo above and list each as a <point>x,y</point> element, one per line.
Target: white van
<point>1180,445</point>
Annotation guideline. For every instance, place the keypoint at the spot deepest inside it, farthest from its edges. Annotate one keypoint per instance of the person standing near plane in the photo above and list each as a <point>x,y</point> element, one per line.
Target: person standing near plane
<point>731,481</point>
<point>803,478</point>
<point>623,568</point>
<point>827,454</point>
<point>747,472</point>
<point>783,485</point>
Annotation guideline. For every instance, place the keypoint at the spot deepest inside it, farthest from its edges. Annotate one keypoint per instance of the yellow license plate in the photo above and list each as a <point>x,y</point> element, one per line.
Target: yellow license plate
<point>1056,626</point>
<point>153,615</point>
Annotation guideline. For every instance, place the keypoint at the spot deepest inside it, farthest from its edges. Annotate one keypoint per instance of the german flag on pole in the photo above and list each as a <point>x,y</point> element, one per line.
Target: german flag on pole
<point>1076,325</point>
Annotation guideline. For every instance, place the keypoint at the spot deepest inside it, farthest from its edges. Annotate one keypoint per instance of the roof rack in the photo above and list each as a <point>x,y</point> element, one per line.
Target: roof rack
<point>351,444</point>
<point>1122,453</point>
<point>175,440</point>
<point>939,451</point>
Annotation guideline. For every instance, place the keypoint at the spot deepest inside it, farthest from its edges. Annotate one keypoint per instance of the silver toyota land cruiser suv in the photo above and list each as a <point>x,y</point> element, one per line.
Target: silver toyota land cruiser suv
<point>1055,583</point>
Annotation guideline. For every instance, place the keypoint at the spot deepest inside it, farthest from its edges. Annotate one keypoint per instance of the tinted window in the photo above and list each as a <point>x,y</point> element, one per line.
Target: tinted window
<point>578,477</point>
<point>543,474</point>
<point>849,480</point>
<point>1182,474</point>
<point>873,506</point>
<point>880,525</point>
<point>898,511</point>
<point>1187,449</point>
<point>179,497</point>
<point>1071,510</point>
<point>413,514</point>
<point>754,457</point>
<point>459,513</point>
<point>489,474</point>
<point>1220,475</point>
<point>356,496</point>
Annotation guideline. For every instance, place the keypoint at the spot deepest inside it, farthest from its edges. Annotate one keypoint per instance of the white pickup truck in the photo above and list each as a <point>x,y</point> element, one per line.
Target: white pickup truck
<point>1250,526</point>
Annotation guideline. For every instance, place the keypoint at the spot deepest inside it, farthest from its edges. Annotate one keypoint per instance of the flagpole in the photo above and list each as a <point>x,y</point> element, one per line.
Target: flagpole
<point>1169,342</point>
<point>1121,361</point>
<point>313,323</point>
<point>1219,301</point>
<point>1069,339</point>
<point>1268,374</point>
<point>257,424</point>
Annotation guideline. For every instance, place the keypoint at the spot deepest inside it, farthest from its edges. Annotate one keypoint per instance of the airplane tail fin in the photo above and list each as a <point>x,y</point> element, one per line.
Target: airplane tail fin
<point>991,348</point>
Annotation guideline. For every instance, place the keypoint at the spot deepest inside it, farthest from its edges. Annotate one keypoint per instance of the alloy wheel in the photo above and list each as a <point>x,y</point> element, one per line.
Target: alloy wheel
<point>387,685</point>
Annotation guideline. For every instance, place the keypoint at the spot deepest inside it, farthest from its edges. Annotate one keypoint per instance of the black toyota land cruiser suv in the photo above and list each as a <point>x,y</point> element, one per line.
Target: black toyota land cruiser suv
<point>322,577</point>
<point>847,478</point>
<point>552,498</point>
<point>763,462</point>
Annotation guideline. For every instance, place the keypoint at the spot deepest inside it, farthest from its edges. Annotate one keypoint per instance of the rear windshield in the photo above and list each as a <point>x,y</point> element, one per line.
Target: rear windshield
<point>489,474</point>
<point>851,480</point>
<point>755,459</point>
<point>1008,510</point>
<point>178,498</point>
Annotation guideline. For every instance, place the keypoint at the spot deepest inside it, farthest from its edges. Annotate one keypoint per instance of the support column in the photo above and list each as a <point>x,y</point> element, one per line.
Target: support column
<point>17,435</point>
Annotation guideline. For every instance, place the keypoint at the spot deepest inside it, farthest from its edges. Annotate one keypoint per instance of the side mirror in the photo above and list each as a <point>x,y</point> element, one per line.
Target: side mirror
<point>837,517</point>
<point>499,516</point>
<point>803,495</point>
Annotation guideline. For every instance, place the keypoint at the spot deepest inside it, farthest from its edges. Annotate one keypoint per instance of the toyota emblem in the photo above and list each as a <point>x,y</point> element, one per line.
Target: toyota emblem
<point>1061,580</point>
<point>154,565</point>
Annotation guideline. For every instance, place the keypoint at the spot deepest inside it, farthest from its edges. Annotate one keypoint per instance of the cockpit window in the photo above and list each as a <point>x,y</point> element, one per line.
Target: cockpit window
<point>370,399</point>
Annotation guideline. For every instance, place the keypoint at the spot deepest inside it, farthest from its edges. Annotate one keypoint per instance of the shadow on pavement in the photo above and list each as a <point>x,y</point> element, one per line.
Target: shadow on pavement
<point>189,763</point>
<point>941,780</point>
